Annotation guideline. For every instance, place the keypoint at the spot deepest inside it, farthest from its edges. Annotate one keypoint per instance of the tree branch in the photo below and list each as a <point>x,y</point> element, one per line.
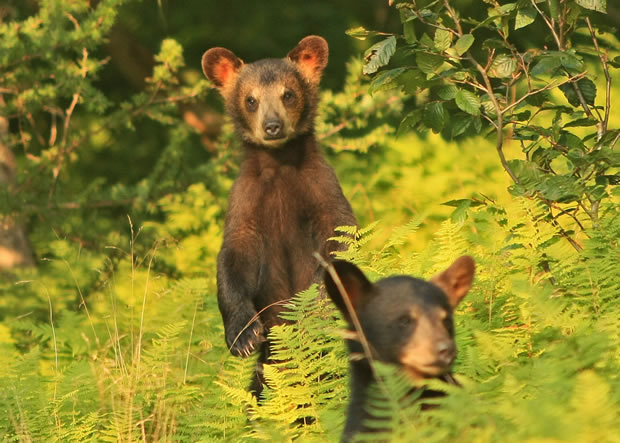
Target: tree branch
<point>603,58</point>
<point>489,90</point>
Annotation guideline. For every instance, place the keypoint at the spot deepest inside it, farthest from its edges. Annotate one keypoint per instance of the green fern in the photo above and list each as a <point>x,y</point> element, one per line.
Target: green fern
<point>308,375</point>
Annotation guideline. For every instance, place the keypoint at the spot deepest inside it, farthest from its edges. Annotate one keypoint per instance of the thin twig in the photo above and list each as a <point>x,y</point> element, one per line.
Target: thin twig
<point>500,130</point>
<point>613,142</point>
<point>189,342</point>
<point>68,115</point>
<point>56,418</point>
<point>82,299</point>
<point>65,131</point>
<point>545,88</point>
<point>350,309</point>
<point>560,45</point>
<point>571,215</point>
<point>549,25</point>
<point>603,58</point>
<point>146,291</point>
<point>35,130</point>
<point>256,317</point>
<point>53,130</point>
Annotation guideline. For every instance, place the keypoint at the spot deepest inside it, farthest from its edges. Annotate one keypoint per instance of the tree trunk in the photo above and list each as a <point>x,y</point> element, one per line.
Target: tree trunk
<point>14,246</point>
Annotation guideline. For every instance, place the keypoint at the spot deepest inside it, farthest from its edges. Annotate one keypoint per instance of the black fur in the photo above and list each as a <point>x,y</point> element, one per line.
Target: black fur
<point>406,322</point>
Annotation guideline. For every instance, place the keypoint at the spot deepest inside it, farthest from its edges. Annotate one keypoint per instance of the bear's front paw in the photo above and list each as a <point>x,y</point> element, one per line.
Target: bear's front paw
<point>244,343</point>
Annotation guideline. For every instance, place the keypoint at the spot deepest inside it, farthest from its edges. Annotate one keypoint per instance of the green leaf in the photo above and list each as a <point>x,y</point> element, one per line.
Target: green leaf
<point>597,193</point>
<point>443,39</point>
<point>409,122</point>
<point>428,14</point>
<point>428,63</point>
<point>560,188</point>
<point>361,33</point>
<point>410,80</point>
<point>459,201</point>
<point>488,106</point>
<point>587,88</point>
<point>386,80</point>
<point>425,40</point>
<point>538,99</point>
<point>571,62</point>
<point>507,8</point>
<point>525,16</point>
<point>468,102</point>
<point>379,55</point>
<point>463,44</point>
<point>406,15</point>
<point>521,116</point>
<point>581,122</point>
<point>503,66</point>
<point>595,5</point>
<point>571,141</point>
<point>459,215</point>
<point>611,179</point>
<point>576,156</point>
<point>435,116</point>
<point>409,32</point>
<point>547,63</point>
<point>570,94</point>
<point>460,124</point>
<point>447,92</point>
<point>477,124</point>
<point>553,8</point>
<point>494,43</point>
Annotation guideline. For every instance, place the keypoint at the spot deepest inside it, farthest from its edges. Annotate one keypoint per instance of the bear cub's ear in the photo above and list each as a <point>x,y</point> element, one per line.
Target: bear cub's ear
<point>221,66</point>
<point>310,55</point>
<point>457,279</point>
<point>355,283</point>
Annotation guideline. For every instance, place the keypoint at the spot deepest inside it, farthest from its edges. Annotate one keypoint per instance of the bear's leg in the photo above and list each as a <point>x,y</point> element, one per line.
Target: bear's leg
<point>236,284</point>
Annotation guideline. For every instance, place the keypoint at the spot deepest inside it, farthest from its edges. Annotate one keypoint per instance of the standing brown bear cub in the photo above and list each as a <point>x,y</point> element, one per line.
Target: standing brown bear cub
<point>285,203</point>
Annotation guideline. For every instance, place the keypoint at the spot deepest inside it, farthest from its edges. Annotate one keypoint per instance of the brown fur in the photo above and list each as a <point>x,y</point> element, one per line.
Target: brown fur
<point>286,201</point>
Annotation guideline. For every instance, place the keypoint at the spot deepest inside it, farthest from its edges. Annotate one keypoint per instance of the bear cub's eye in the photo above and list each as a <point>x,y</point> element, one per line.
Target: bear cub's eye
<point>449,325</point>
<point>288,96</point>
<point>251,103</point>
<point>406,321</point>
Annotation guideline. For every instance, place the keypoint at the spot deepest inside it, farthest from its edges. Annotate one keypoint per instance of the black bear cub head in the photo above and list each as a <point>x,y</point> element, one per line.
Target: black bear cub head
<point>406,321</point>
<point>271,101</point>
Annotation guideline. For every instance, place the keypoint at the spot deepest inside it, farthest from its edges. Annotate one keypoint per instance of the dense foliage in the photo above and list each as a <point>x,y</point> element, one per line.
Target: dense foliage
<point>472,74</point>
<point>121,187</point>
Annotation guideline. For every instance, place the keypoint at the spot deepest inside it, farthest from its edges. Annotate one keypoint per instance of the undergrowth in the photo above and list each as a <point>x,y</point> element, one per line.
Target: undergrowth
<point>144,358</point>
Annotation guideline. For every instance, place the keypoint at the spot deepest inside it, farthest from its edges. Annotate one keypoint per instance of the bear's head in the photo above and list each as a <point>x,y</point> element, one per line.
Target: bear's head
<point>271,101</point>
<point>406,321</point>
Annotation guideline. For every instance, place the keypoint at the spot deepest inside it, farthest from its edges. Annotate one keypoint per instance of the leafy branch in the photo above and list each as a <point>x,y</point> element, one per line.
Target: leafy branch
<point>437,58</point>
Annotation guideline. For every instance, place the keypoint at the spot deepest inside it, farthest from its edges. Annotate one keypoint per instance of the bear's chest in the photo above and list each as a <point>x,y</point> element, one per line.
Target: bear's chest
<point>284,204</point>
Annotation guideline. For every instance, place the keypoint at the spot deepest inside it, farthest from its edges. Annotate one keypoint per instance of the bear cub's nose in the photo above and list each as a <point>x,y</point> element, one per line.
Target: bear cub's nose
<point>446,352</point>
<point>272,127</point>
